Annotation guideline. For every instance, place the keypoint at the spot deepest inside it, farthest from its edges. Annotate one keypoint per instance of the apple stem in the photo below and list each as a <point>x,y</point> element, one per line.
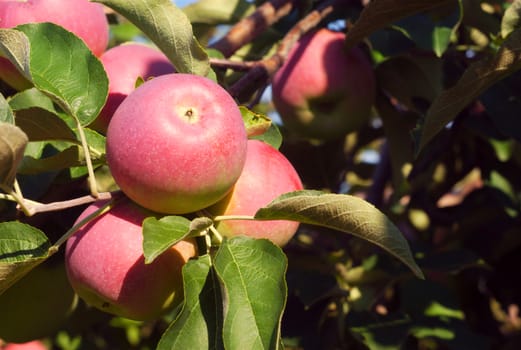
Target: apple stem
<point>102,210</point>
<point>233,217</point>
<point>217,235</point>
<point>92,179</point>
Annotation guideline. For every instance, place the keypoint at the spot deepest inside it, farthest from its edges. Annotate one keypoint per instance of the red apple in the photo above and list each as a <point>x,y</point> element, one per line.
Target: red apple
<point>84,18</point>
<point>32,345</point>
<point>177,143</point>
<point>106,266</point>
<point>266,175</point>
<point>324,91</point>
<point>124,65</point>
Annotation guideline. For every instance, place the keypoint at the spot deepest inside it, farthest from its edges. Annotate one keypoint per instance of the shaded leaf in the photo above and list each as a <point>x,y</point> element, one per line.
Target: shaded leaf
<point>159,235</point>
<point>476,79</point>
<point>252,273</point>
<point>169,28</point>
<point>344,213</point>
<point>63,67</point>
<point>379,14</point>
<point>511,18</point>
<point>6,113</point>
<point>12,145</point>
<point>22,247</point>
<point>198,324</point>
<point>59,161</point>
<point>42,125</point>
<point>30,98</point>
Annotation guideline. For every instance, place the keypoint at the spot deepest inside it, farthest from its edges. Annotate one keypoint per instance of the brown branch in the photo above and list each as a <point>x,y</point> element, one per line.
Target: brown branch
<point>221,63</point>
<point>261,72</point>
<point>250,27</point>
<point>60,205</point>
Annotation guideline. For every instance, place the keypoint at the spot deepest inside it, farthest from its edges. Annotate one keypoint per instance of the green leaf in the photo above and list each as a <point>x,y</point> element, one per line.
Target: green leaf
<point>198,324</point>
<point>441,39</point>
<point>379,14</point>
<point>12,145</point>
<point>511,18</point>
<point>41,125</point>
<point>30,98</point>
<point>255,123</point>
<point>22,247</point>
<point>344,213</point>
<point>64,159</point>
<point>159,235</point>
<point>217,11</point>
<point>63,67</point>
<point>169,28</point>
<point>15,46</point>
<point>6,113</point>
<point>252,273</point>
<point>477,79</point>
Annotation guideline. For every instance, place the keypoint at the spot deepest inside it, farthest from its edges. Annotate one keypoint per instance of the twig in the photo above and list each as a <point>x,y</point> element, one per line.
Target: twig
<point>235,65</point>
<point>55,206</point>
<point>265,69</point>
<point>250,27</point>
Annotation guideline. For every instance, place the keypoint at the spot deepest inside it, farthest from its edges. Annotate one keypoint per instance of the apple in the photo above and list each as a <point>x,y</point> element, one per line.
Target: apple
<point>176,144</point>
<point>266,175</point>
<point>124,65</point>
<point>84,18</point>
<point>32,345</point>
<point>324,91</point>
<point>106,266</point>
<point>37,305</point>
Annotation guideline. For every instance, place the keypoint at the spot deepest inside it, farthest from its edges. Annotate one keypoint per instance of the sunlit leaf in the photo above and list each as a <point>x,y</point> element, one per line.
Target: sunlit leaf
<point>6,113</point>
<point>22,247</point>
<point>200,320</point>
<point>252,273</point>
<point>217,11</point>
<point>511,18</point>
<point>12,145</point>
<point>344,213</point>
<point>161,234</point>
<point>169,28</point>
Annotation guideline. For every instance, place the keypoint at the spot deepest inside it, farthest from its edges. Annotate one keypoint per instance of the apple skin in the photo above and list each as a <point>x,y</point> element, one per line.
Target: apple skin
<point>84,18</point>
<point>32,345</point>
<point>140,61</point>
<point>323,91</point>
<point>106,266</point>
<point>176,144</point>
<point>38,305</point>
<point>266,175</point>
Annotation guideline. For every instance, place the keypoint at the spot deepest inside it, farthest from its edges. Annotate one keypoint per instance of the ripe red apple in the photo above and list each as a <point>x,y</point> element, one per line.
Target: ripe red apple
<point>177,143</point>
<point>82,17</point>
<point>32,345</point>
<point>324,91</point>
<point>106,266</point>
<point>38,305</point>
<point>124,65</point>
<point>266,175</point>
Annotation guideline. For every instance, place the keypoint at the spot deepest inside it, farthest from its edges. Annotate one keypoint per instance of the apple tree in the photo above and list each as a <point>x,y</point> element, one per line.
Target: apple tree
<point>319,174</point>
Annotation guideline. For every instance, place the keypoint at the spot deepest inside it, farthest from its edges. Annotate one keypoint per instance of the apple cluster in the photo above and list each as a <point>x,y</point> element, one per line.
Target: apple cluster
<point>176,144</point>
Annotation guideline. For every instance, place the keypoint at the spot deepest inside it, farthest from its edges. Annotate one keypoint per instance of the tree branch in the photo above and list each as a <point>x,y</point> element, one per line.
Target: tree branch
<point>261,72</point>
<point>250,27</point>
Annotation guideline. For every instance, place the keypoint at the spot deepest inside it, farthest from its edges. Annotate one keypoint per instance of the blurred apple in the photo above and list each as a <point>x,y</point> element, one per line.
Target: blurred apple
<point>324,91</point>
<point>38,305</point>
<point>32,345</point>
